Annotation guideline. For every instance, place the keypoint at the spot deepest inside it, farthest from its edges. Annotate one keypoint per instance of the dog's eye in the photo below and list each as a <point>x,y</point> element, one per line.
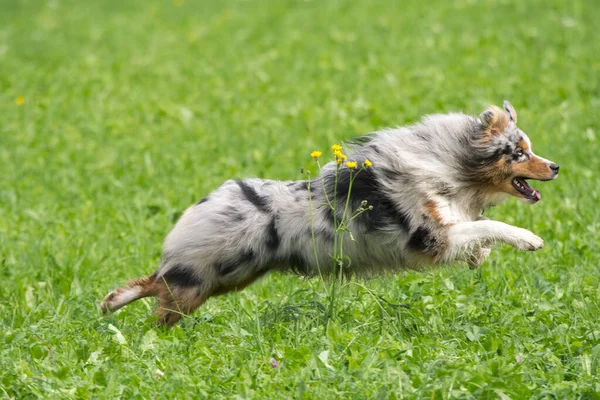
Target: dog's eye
<point>519,152</point>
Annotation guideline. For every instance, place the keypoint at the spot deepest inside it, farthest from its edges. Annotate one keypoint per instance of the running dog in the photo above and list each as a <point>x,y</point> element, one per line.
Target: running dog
<point>426,190</point>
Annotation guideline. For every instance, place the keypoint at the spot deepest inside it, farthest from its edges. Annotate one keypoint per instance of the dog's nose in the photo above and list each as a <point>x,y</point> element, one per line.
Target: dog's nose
<point>554,167</point>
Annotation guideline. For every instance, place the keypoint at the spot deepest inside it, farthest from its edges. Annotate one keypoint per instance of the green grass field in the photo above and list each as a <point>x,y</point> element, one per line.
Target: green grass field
<point>115,116</point>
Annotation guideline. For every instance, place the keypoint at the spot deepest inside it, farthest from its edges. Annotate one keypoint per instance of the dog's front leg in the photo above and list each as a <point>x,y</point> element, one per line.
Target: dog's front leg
<point>468,240</point>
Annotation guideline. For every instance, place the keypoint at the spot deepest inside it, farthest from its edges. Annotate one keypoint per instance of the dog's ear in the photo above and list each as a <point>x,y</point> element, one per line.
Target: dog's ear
<point>495,120</point>
<point>512,114</point>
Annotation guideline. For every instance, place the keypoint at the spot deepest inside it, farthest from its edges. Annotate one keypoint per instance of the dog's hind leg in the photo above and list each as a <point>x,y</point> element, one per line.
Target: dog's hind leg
<point>175,302</point>
<point>182,288</point>
<point>134,290</point>
<point>181,297</point>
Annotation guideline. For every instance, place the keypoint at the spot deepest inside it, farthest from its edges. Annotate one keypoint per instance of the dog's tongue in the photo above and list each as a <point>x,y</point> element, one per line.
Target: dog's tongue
<point>522,186</point>
<point>533,194</point>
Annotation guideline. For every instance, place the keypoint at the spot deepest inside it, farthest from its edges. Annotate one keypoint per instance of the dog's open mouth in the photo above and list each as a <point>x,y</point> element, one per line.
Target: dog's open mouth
<point>527,191</point>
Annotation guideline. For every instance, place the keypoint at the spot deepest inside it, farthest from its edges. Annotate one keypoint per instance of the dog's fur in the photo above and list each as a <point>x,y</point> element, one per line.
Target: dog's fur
<point>428,187</point>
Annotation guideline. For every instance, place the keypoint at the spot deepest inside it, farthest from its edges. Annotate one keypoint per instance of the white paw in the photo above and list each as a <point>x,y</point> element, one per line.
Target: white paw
<point>527,241</point>
<point>111,302</point>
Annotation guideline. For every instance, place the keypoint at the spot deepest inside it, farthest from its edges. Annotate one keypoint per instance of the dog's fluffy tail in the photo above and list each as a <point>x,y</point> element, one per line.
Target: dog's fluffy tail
<point>133,291</point>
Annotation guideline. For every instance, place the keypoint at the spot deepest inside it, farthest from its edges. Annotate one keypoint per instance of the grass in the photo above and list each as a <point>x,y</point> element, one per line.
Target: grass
<point>134,110</point>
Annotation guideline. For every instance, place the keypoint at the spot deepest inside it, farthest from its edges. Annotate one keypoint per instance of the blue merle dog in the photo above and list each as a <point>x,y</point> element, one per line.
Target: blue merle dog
<point>428,187</point>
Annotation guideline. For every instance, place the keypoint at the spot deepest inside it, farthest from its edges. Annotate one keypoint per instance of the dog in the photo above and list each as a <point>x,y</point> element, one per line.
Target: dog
<point>417,201</point>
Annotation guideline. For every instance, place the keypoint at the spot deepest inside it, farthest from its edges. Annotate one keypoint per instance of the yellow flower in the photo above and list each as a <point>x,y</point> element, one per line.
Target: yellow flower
<point>339,160</point>
<point>339,154</point>
<point>336,147</point>
<point>20,100</point>
<point>367,163</point>
<point>351,164</point>
<point>316,154</point>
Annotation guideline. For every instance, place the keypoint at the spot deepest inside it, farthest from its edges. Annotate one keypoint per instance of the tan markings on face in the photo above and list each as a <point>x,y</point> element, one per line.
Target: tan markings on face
<point>495,173</point>
<point>497,178</point>
<point>432,211</point>
<point>523,144</point>
<point>507,187</point>
<point>534,168</point>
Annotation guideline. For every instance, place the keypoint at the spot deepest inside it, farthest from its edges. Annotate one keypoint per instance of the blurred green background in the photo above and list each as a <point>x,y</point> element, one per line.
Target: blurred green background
<point>115,116</point>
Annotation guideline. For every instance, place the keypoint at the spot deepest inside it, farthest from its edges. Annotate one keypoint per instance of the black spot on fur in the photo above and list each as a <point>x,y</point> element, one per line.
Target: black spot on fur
<point>390,174</point>
<point>259,202</point>
<point>298,264</point>
<point>362,140</point>
<point>475,160</point>
<point>181,275</point>
<point>272,241</point>
<point>294,262</point>
<point>366,187</point>
<point>204,200</point>
<point>495,156</point>
<point>507,149</point>
<point>328,213</point>
<point>301,186</point>
<point>421,239</point>
<point>228,266</point>
<point>385,210</point>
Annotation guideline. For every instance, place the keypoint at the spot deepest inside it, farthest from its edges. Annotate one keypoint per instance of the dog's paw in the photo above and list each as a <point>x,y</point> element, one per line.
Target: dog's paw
<point>527,241</point>
<point>107,304</point>
<point>478,257</point>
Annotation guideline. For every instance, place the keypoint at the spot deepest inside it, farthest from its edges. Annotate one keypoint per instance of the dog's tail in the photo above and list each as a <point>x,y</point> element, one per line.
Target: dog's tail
<point>133,291</point>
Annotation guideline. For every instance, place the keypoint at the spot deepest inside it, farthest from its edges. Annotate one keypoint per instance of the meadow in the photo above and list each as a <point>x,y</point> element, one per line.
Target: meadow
<point>116,116</point>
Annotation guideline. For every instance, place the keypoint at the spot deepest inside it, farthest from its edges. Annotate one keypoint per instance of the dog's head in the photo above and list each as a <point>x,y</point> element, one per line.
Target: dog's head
<point>506,158</point>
